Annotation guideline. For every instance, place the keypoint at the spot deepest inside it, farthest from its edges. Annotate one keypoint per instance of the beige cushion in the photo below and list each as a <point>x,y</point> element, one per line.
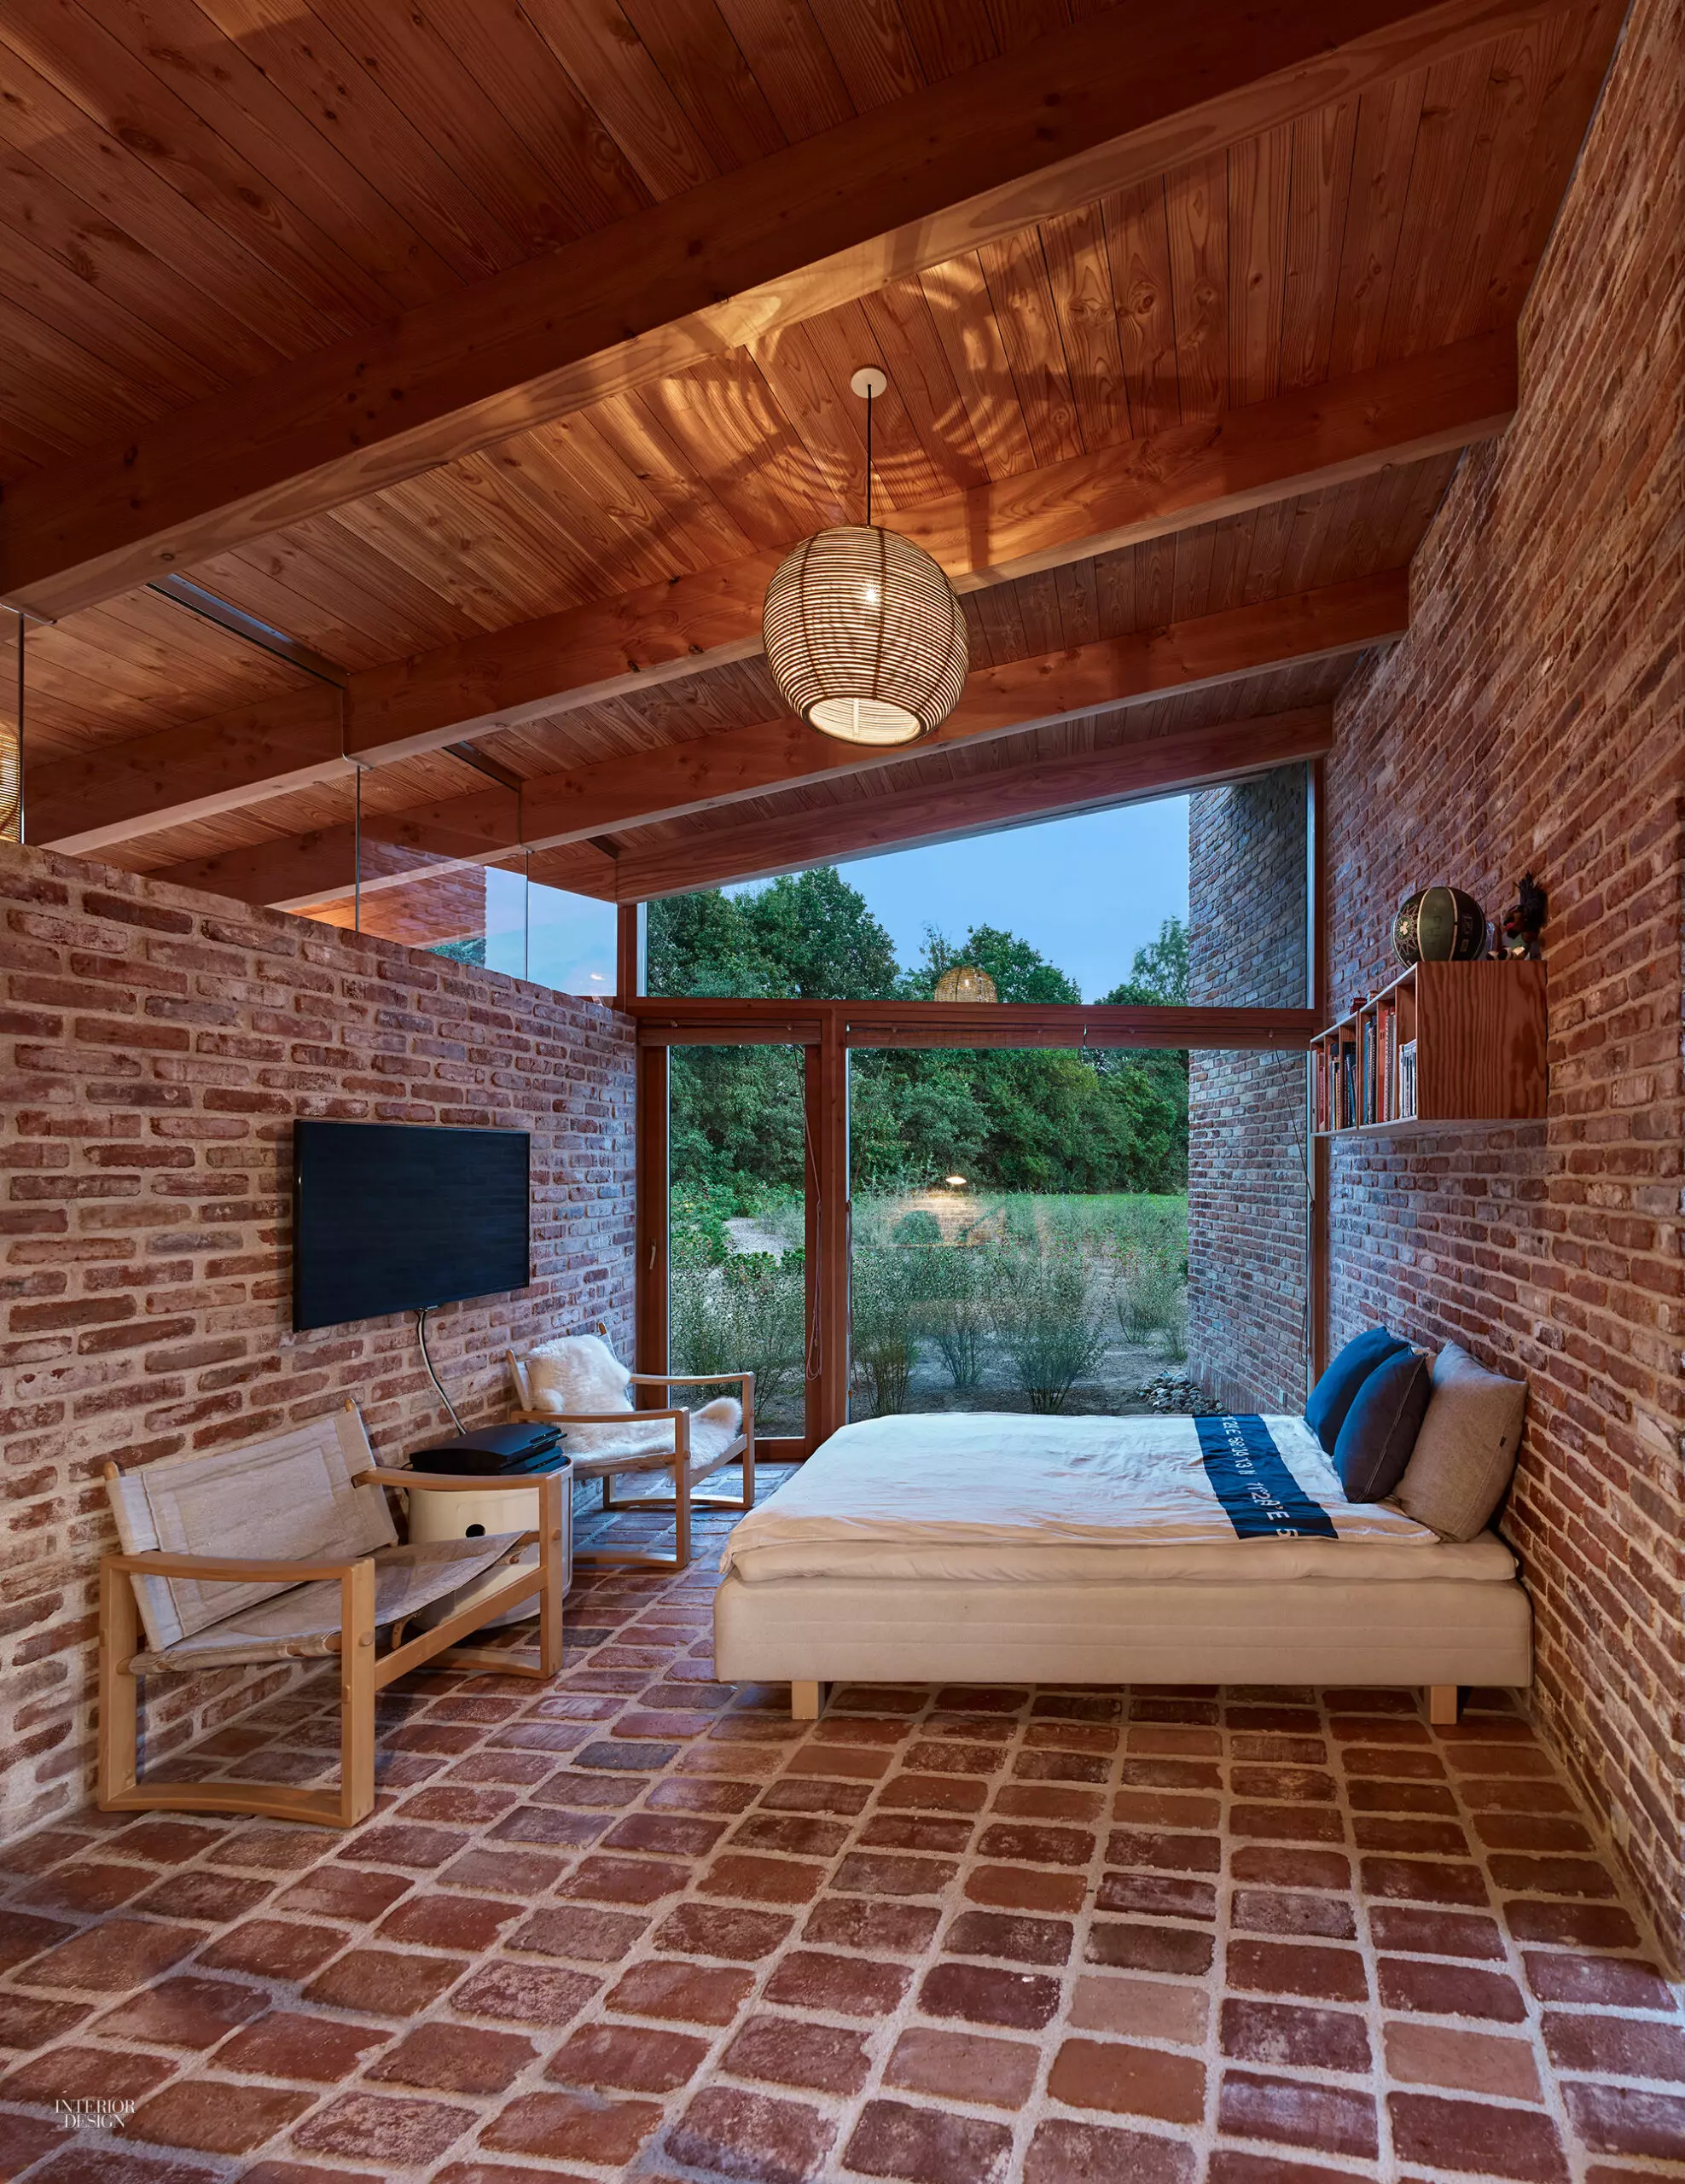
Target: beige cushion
<point>1465,1451</point>
<point>286,1498</point>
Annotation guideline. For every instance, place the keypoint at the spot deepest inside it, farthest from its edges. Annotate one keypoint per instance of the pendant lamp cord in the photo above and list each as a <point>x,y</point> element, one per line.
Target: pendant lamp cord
<point>868,458</point>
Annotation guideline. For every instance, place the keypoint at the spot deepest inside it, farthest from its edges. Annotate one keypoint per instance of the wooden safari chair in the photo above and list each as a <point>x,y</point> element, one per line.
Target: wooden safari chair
<point>577,1383</point>
<point>285,1550</point>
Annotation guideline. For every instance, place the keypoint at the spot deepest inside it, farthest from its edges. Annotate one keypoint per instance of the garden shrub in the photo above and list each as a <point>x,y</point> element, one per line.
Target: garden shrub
<point>1051,1318</point>
<point>881,1294</point>
<point>746,1315</point>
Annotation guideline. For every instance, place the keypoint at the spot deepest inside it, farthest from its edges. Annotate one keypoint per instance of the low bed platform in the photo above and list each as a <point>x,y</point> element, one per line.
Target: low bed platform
<point>993,1548</point>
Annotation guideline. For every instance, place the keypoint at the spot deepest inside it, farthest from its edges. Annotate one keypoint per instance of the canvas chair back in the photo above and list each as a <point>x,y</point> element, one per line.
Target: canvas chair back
<point>289,1498</point>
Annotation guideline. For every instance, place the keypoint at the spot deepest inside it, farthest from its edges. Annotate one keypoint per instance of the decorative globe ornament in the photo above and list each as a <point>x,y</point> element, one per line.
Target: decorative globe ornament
<point>1439,925</point>
<point>965,981</point>
<point>864,635</point>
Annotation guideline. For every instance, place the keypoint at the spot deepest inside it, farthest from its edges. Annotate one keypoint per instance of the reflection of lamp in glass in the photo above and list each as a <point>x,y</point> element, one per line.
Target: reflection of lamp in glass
<point>11,755</point>
<point>965,981</point>
<point>864,635</point>
<point>11,782</point>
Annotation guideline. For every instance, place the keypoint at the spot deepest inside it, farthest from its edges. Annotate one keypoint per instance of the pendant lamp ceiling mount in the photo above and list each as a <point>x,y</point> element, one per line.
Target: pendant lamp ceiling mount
<point>864,635</point>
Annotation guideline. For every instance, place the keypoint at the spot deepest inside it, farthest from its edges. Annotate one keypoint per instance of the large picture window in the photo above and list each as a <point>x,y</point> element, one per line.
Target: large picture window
<point>1075,1197</point>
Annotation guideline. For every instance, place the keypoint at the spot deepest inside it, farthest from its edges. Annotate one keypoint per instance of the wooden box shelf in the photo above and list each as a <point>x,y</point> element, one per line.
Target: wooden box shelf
<point>1446,1043</point>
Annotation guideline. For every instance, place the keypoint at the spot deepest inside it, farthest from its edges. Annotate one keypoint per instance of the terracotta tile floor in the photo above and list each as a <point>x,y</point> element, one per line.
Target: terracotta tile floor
<point>640,1924</point>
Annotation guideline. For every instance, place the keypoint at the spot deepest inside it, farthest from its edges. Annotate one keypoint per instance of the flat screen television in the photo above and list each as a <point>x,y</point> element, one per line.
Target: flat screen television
<point>395,1216</point>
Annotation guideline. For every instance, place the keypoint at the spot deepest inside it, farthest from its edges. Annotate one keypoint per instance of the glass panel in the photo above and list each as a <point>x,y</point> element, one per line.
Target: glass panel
<point>494,918</point>
<point>1060,909</point>
<point>1020,1235</point>
<point>737,1211</point>
<point>12,642</point>
<point>555,938</point>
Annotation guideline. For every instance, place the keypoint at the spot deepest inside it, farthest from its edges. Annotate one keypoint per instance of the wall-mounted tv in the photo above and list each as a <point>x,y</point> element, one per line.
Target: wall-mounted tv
<point>392,1218</point>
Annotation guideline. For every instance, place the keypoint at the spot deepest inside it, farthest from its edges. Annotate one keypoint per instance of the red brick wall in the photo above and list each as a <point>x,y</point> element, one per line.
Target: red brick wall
<point>1246,1242</point>
<point>155,1048</point>
<point>1533,719</point>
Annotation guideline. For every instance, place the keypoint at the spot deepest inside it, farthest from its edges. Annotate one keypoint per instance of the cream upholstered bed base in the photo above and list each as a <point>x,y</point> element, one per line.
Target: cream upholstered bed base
<point>808,1631</point>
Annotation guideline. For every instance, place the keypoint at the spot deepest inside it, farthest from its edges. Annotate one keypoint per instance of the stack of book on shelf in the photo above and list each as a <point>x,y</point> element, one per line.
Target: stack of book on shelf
<point>1407,1081</point>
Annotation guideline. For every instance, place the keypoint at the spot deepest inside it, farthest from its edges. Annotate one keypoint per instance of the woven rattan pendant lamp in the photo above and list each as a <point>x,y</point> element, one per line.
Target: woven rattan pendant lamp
<point>864,635</point>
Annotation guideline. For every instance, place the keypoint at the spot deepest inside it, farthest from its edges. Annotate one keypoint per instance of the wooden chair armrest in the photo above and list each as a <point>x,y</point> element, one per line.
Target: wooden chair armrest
<point>383,1475</point>
<point>685,1380</point>
<point>225,1569</point>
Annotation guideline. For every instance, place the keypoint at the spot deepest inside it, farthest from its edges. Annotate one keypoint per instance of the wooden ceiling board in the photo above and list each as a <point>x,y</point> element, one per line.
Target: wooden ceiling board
<point>709,74</point>
<point>873,53</point>
<point>144,662</point>
<point>903,324</point>
<point>1079,273</point>
<point>1389,120</point>
<point>328,805</point>
<point>1138,258</point>
<point>74,308</point>
<point>1323,148</point>
<point>344,594</point>
<point>97,73</point>
<point>54,392</point>
<point>1020,295</point>
<point>795,69</point>
<point>588,174</point>
<point>95,192</point>
<point>960,768</point>
<point>618,75</point>
<point>1266,290</point>
<point>727,424</point>
<point>109,263</point>
<point>430,82</point>
<point>302,112</point>
<point>284,174</point>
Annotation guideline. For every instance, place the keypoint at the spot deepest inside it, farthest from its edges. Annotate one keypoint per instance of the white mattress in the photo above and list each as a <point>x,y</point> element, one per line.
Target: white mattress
<point>990,1498</point>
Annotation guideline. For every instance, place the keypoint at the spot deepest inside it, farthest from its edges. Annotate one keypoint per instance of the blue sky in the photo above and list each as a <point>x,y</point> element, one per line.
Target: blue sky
<point>1086,891</point>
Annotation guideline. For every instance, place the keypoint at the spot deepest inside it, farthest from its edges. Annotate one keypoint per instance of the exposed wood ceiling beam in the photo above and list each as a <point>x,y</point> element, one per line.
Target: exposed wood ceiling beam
<point>1125,96</point>
<point>770,756</point>
<point>1149,487</point>
<point>670,1020</point>
<point>1156,766</point>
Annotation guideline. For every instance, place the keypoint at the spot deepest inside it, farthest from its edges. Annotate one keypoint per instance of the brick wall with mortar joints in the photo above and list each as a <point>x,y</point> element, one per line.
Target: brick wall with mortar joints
<point>1534,718</point>
<point>155,1047</point>
<point>1245,1111</point>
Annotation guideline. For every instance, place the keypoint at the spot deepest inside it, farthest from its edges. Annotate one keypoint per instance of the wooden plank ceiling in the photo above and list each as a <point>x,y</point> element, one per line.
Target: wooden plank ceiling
<point>195,192</point>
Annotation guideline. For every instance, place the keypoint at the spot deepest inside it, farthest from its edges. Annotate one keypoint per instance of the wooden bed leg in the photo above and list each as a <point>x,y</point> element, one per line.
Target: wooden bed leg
<point>805,1699</point>
<point>1443,1701</point>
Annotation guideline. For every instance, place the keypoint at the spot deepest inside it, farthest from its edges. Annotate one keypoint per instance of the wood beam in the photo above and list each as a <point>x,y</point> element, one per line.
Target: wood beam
<point>769,756</point>
<point>893,816</point>
<point>1082,111</point>
<point>1147,487</point>
<point>683,1022</point>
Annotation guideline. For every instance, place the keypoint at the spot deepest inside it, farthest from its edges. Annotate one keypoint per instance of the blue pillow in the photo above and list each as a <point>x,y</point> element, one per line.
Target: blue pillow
<point>1381,1428</point>
<point>1330,1398</point>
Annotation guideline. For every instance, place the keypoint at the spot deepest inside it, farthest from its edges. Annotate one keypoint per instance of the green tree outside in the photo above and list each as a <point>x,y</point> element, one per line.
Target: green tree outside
<point>1040,1121</point>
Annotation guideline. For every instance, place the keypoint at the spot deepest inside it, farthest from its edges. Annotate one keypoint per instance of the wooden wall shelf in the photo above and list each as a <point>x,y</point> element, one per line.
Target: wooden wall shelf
<point>1447,1044</point>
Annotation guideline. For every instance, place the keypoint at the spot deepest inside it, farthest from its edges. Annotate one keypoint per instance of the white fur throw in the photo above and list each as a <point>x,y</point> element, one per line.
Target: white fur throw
<point>580,1372</point>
